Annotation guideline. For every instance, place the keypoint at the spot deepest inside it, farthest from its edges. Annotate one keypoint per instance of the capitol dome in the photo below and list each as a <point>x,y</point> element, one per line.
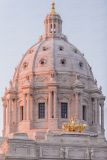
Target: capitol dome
<point>52,82</point>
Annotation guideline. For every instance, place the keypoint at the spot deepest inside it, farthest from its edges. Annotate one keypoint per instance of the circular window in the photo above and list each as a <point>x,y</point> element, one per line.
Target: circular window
<point>24,64</point>
<point>63,61</point>
<point>42,61</point>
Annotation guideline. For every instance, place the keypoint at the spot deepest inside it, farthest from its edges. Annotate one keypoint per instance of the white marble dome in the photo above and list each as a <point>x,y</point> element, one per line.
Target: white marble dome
<point>53,54</point>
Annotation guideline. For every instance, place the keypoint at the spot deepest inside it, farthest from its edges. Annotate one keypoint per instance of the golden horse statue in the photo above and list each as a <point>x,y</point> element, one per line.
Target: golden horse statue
<point>72,127</point>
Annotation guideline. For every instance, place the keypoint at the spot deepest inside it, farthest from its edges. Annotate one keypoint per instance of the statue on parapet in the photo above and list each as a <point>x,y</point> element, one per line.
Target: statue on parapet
<point>72,127</point>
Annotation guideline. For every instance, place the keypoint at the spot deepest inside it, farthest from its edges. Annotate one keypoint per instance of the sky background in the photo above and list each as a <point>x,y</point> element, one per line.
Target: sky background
<point>22,23</point>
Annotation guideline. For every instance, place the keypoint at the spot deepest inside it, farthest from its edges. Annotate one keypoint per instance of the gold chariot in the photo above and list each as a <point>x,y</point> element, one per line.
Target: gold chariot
<point>72,127</point>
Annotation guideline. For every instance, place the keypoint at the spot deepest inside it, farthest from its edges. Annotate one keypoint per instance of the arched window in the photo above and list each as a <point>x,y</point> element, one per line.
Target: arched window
<point>84,113</point>
<point>41,110</point>
<point>51,28</point>
<point>64,110</point>
<point>21,113</point>
<point>54,28</point>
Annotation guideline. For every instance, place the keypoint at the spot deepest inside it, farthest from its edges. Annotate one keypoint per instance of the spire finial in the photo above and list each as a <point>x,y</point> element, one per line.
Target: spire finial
<point>53,9</point>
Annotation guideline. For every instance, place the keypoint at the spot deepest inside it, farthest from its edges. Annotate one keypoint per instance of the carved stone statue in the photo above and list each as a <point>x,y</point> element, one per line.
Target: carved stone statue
<point>40,151</point>
<point>61,152</point>
<point>100,89</point>
<point>92,153</point>
<point>95,82</point>
<point>87,153</point>
<point>10,83</point>
<point>66,152</point>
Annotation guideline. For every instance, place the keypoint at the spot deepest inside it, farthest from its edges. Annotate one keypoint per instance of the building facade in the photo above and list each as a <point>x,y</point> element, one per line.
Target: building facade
<point>52,82</point>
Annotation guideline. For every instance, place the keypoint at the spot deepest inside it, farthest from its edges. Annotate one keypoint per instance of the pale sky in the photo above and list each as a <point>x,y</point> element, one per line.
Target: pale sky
<point>84,23</point>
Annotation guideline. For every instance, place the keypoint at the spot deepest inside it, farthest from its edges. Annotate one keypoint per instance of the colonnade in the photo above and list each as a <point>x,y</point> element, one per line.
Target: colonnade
<point>11,110</point>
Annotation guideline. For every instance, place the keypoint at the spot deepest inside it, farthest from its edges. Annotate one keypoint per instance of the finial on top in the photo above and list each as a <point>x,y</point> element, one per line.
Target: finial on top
<point>53,9</point>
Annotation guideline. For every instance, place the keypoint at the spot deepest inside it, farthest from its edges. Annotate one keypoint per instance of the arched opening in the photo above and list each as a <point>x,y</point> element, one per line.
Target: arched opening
<point>54,28</point>
<point>21,113</point>
<point>51,28</point>
<point>84,113</point>
<point>100,114</point>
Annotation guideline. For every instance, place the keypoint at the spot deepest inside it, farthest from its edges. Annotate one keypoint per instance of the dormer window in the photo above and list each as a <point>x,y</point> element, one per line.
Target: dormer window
<point>61,48</point>
<point>63,61</point>
<point>42,61</point>
<point>44,48</point>
<point>24,64</point>
<point>80,64</point>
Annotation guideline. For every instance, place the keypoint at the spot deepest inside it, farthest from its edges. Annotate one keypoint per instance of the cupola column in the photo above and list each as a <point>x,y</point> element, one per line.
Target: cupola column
<point>13,115</point>
<point>49,30</point>
<point>56,26</point>
<point>4,116</point>
<point>52,25</point>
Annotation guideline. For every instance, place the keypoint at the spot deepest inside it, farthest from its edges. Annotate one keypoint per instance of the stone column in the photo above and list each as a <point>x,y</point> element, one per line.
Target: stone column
<point>60,27</point>
<point>7,111</point>
<point>18,113</point>
<point>102,117</point>
<point>13,116</point>
<point>76,96</point>
<point>96,110</point>
<point>49,26</point>
<point>52,26</point>
<point>56,26</point>
<point>81,107</point>
<point>10,112</point>
<point>24,107</point>
<point>28,107</point>
<point>55,104</point>
<point>87,112</point>
<point>32,107</point>
<point>4,116</point>
<point>93,108</point>
<point>45,26</point>
<point>50,105</point>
